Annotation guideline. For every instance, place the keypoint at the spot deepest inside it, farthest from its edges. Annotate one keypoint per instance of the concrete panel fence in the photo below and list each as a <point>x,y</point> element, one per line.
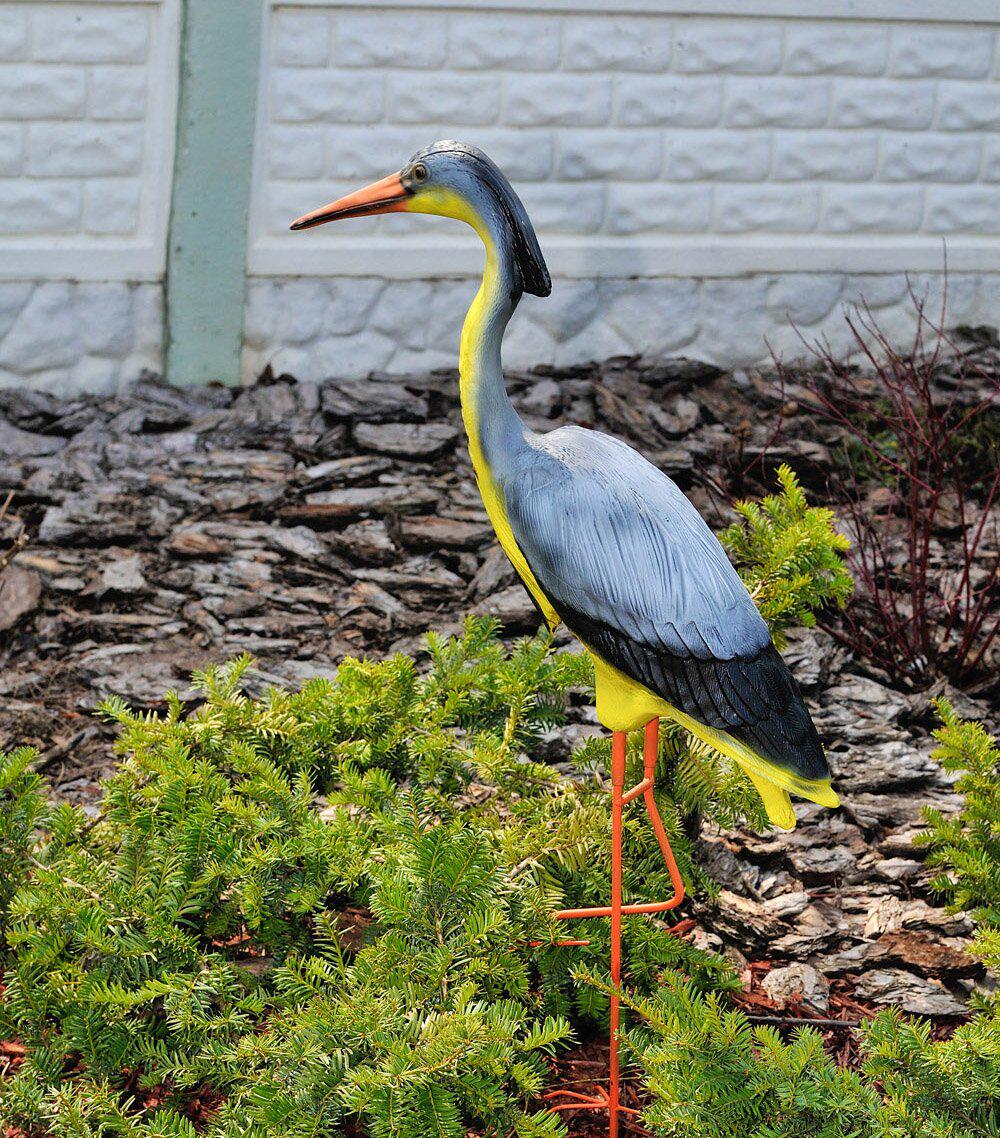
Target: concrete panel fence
<point>698,181</point>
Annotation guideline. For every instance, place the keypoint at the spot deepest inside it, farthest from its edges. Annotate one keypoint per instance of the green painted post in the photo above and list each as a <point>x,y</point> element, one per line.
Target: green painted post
<point>206,253</point>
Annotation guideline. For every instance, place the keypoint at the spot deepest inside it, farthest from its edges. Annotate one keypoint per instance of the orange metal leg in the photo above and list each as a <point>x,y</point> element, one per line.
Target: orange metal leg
<point>610,1099</point>
<point>617,790</point>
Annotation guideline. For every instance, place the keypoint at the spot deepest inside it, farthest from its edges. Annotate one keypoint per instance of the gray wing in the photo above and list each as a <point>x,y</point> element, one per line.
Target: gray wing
<point>631,567</point>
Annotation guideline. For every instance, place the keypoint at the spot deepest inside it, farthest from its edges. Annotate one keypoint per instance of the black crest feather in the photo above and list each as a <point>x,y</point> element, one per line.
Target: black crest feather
<point>531,268</point>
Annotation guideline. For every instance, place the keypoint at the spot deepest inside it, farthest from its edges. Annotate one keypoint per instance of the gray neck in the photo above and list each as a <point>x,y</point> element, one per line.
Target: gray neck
<point>495,429</point>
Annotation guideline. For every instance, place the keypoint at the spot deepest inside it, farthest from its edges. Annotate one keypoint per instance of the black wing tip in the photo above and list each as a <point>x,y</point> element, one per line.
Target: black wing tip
<point>786,734</point>
<point>798,754</point>
<point>755,699</point>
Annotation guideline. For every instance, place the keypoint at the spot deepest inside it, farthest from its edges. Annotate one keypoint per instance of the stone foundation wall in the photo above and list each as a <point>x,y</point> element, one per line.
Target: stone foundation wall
<point>86,144</point>
<point>64,336</point>
<point>316,328</point>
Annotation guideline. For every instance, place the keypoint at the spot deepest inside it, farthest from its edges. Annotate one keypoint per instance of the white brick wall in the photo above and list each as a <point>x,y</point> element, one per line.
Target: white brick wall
<point>65,336</point>
<point>821,157</point>
<point>322,326</point>
<point>694,180</point>
<point>657,143</point>
<point>86,128</point>
<point>87,111</point>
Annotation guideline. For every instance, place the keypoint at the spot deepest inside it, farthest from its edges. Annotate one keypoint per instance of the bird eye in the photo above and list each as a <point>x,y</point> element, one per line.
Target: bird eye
<point>419,173</point>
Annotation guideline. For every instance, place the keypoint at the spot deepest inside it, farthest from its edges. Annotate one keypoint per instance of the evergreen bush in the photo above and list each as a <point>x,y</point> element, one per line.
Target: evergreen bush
<point>713,1075</point>
<point>966,846</point>
<point>314,909</point>
<point>790,555</point>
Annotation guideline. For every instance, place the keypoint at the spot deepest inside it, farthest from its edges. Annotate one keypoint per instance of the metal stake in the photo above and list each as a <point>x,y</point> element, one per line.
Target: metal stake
<point>610,1099</point>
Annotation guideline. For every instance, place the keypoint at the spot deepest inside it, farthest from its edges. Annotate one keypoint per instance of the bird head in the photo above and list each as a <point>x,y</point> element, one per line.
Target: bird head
<point>453,179</point>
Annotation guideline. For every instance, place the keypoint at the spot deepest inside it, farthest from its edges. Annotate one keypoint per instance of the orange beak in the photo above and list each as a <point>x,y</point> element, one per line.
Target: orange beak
<point>388,195</point>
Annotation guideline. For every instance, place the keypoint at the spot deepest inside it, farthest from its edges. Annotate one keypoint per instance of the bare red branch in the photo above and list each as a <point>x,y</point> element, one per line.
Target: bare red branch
<point>918,610</point>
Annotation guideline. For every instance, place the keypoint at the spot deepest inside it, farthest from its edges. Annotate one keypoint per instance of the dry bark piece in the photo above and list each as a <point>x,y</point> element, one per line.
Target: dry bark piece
<point>818,928</point>
<point>823,861</point>
<point>367,594</point>
<point>419,575</point>
<point>884,914</point>
<point>494,574</point>
<point>901,844</point>
<point>193,543</point>
<point>922,954</point>
<point>343,471</point>
<point>20,594</point>
<point>356,501</point>
<point>621,414</point>
<point>300,541</point>
<point>15,443</point>
<point>430,532</point>
<point>369,402</point>
<point>365,543</point>
<point>123,574</point>
<point>787,905</point>
<point>677,419</point>
<point>898,868</point>
<point>512,607</point>
<point>739,918</point>
<point>914,994</point>
<point>543,397</point>
<point>406,440</point>
<point>798,982</point>
<point>894,764</point>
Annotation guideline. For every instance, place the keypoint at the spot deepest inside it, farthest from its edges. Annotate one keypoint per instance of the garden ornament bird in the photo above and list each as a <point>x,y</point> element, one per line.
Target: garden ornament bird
<point>606,544</point>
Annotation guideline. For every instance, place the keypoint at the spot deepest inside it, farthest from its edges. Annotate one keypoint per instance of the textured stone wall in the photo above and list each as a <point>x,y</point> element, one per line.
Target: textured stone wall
<point>694,181</point>
<point>623,125</point>
<point>85,155</point>
<point>73,86</point>
<point>66,336</point>
<point>317,328</point>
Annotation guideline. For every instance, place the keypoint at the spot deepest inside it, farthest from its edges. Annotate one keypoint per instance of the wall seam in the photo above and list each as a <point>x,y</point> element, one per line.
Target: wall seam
<point>220,72</point>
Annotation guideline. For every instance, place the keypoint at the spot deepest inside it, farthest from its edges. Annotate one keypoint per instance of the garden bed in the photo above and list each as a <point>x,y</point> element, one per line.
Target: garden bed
<point>170,529</point>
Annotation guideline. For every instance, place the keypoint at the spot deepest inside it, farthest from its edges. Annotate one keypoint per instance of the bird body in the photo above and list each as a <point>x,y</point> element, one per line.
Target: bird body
<point>603,541</point>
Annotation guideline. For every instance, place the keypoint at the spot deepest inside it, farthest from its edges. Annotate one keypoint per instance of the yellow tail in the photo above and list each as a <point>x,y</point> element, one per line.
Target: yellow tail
<point>773,783</point>
<point>623,704</point>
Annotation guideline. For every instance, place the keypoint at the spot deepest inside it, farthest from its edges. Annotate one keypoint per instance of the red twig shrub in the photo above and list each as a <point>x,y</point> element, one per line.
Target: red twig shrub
<point>919,425</point>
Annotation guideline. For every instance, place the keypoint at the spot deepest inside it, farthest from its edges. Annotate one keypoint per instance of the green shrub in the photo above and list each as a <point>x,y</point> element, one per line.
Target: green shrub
<point>195,935</point>
<point>191,936</point>
<point>712,1074</point>
<point>790,556</point>
<point>23,809</point>
<point>967,846</point>
<point>335,904</point>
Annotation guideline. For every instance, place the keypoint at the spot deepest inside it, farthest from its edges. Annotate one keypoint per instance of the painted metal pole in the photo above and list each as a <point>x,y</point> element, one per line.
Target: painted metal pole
<point>610,1099</point>
<point>618,744</point>
<point>206,252</point>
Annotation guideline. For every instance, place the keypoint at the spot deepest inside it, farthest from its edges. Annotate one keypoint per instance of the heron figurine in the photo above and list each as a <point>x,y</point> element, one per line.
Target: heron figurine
<point>606,544</point>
